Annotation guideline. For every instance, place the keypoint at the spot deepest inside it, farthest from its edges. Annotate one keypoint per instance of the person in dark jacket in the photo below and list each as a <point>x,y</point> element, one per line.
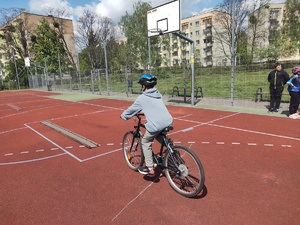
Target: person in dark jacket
<point>277,79</point>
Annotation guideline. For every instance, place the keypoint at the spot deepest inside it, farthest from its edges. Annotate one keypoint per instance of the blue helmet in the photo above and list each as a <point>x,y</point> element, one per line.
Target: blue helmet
<point>148,80</point>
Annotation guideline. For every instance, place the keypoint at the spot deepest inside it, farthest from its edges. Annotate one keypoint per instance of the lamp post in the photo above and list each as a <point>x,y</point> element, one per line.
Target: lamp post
<point>16,68</point>
<point>106,69</point>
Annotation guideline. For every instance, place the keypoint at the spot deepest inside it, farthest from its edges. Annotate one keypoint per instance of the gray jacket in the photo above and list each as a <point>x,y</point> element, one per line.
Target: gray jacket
<point>150,103</point>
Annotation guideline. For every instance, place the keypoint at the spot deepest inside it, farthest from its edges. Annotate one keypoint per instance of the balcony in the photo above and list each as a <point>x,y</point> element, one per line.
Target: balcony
<point>208,53</point>
<point>208,24</point>
<point>208,58</point>
<point>207,32</point>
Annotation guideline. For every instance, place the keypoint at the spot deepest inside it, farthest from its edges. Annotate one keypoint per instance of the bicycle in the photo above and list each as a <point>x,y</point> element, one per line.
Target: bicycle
<point>181,166</point>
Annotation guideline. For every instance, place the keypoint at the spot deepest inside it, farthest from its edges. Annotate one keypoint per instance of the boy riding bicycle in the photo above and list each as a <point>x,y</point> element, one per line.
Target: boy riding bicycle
<point>150,103</point>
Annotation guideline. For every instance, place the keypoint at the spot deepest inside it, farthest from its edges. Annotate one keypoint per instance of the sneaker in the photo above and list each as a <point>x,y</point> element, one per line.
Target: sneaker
<point>145,170</point>
<point>276,110</point>
<point>294,116</point>
<point>271,110</point>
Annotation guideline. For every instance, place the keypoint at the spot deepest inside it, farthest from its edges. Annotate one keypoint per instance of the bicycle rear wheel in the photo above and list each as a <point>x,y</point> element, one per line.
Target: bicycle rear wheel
<point>132,150</point>
<point>184,171</point>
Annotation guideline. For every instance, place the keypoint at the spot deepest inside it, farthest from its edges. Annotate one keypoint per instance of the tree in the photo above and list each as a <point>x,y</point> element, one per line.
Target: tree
<point>14,42</point>
<point>94,32</point>
<point>256,30</point>
<point>223,32</point>
<point>87,39</point>
<point>7,14</point>
<point>135,30</point>
<point>60,27</point>
<point>290,30</point>
<point>46,45</point>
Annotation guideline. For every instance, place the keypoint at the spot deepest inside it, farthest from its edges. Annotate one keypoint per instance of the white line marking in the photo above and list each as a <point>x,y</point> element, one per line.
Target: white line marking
<point>24,152</point>
<point>177,142</point>
<point>235,143</point>
<point>8,154</point>
<point>205,142</point>
<point>40,150</point>
<point>256,132</point>
<point>252,144</point>
<point>81,146</point>
<point>64,150</point>
<point>286,146</point>
<point>187,129</point>
<point>32,160</point>
<point>220,143</point>
<point>110,144</point>
<point>133,200</point>
<point>191,142</point>
<point>268,145</point>
<point>53,149</point>
<point>105,153</point>
<point>69,147</point>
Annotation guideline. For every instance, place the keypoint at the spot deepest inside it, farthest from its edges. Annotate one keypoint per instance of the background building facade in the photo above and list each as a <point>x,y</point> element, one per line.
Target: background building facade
<point>18,40</point>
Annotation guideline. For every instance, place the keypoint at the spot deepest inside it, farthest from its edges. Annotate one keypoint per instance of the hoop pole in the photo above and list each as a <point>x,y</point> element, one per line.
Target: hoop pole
<point>149,51</point>
<point>192,65</point>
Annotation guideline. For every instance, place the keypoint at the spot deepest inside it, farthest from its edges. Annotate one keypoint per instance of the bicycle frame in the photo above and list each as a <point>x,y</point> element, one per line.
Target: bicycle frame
<point>167,142</point>
<point>181,166</point>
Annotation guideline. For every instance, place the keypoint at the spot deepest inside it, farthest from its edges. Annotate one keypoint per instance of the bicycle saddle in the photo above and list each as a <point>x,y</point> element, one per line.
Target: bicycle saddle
<point>168,128</point>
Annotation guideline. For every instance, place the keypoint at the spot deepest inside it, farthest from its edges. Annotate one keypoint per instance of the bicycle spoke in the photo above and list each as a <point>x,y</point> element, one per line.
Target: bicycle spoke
<point>132,151</point>
<point>184,171</point>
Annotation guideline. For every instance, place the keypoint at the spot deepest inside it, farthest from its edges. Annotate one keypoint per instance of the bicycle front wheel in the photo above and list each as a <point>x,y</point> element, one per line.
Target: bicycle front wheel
<point>132,150</point>
<point>184,171</point>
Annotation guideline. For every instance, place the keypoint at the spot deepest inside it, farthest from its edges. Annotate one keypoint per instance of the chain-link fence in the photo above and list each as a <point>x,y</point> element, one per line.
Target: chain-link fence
<point>244,83</point>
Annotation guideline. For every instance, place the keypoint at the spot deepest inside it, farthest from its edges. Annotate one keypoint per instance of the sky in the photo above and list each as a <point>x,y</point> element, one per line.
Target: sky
<point>113,9</point>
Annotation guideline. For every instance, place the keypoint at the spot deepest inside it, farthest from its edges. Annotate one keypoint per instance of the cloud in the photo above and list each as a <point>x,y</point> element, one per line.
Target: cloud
<point>37,6</point>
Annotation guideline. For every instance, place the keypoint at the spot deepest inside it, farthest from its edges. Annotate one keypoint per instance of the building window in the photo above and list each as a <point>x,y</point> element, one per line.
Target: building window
<point>185,26</point>
<point>197,42</point>
<point>191,34</point>
<point>197,23</point>
<point>191,25</point>
<point>197,33</point>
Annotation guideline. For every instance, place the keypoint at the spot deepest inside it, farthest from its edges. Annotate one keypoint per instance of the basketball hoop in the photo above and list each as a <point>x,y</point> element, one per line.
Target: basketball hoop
<point>155,31</point>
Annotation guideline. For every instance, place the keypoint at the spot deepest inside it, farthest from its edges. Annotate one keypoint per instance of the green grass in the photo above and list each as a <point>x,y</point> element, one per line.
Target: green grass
<point>215,82</point>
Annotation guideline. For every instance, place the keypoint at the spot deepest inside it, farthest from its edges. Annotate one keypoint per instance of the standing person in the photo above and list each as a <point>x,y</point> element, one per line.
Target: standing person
<point>150,103</point>
<point>294,90</point>
<point>277,79</point>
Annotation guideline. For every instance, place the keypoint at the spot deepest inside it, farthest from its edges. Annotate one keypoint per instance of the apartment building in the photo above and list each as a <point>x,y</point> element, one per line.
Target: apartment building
<point>200,28</point>
<point>270,17</point>
<point>28,22</point>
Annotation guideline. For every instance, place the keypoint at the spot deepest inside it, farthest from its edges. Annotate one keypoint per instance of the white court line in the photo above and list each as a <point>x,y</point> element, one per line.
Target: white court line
<point>269,145</point>
<point>25,112</point>
<point>255,132</point>
<point>105,153</point>
<point>7,131</point>
<point>135,198</point>
<point>40,150</point>
<point>64,150</point>
<point>32,160</point>
<point>200,123</point>
<point>210,123</point>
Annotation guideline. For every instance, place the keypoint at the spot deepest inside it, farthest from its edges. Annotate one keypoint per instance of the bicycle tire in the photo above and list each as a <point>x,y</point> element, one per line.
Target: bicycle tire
<point>132,150</point>
<point>184,171</point>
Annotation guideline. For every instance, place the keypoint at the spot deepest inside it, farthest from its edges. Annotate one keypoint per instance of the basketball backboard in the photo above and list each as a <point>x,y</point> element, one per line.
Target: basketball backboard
<point>164,19</point>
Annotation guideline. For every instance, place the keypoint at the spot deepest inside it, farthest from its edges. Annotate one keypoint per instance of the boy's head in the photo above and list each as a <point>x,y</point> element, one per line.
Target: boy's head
<point>277,66</point>
<point>147,81</point>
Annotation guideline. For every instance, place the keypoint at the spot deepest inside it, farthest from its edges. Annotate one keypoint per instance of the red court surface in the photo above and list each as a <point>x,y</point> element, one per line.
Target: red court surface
<point>251,162</point>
